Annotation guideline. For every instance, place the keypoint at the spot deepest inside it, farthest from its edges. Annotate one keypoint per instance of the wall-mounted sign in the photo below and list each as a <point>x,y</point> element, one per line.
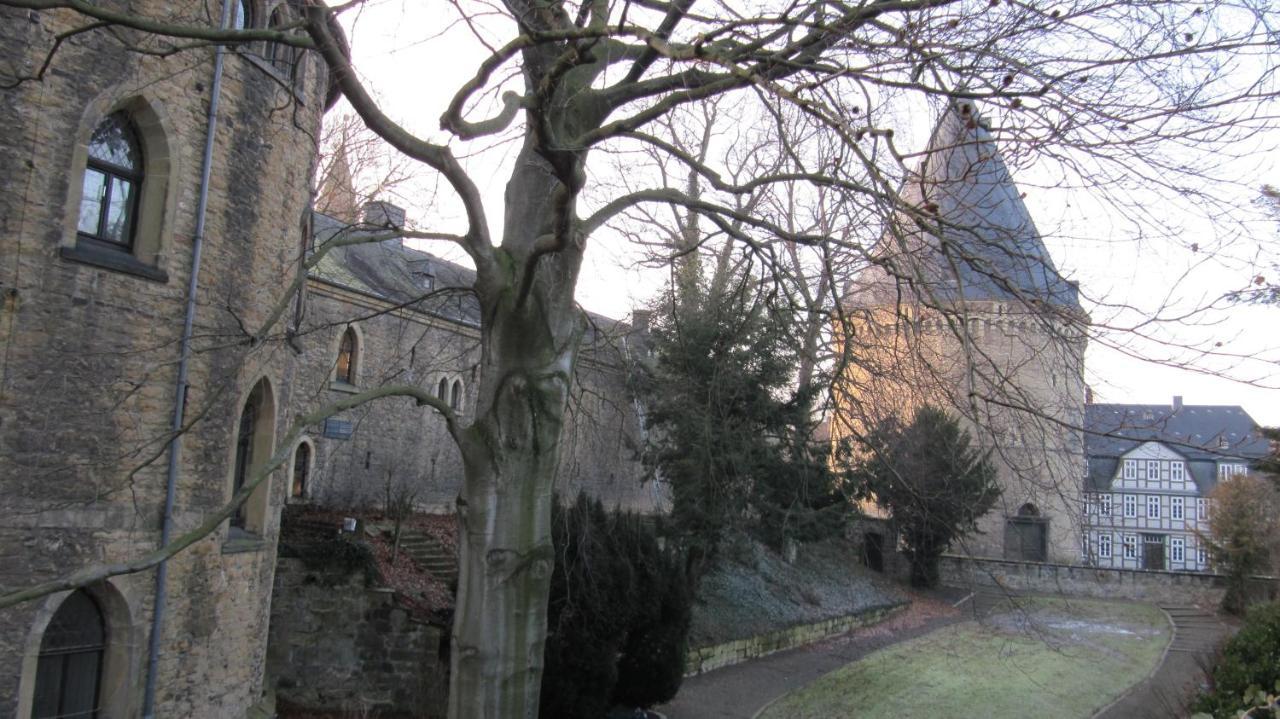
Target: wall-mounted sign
<point>337,428</point>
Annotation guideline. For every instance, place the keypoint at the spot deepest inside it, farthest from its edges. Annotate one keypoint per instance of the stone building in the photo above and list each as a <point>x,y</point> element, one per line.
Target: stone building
<point>963,308</point>
<point>105,203</point>
<point>382,312</point>
<point>136,178</point>
<point>1151,468</point>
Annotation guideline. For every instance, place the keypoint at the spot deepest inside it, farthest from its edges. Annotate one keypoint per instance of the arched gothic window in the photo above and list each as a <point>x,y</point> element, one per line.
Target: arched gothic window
<point>278,54</point>
<point>442,390</point>
<point>301,470</point>
<point>455,397</point>
<point>241,15</point>
<point>249,419</point>
<point>69,669</point>
<point>347,357</point>
<point>112,184</point>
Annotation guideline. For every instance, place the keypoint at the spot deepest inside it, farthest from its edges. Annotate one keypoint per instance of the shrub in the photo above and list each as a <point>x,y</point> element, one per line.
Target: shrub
<point>1250,661</point>
<point>618,615</point>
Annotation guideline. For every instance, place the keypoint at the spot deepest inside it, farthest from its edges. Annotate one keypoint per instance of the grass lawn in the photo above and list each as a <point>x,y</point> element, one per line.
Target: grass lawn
<point>1054,658</point>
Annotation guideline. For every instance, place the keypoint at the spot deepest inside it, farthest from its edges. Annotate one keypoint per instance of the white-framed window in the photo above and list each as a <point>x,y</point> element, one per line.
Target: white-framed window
<point>1153,470</point>
<point>1131,469</point>
<point>1202,508</point>
<point>1177,505</point>
<point>1177,471</point>
<point>1084,545</point>
<point>1177,549</point>
<point>1088,504</point>
<point>1130,546</point>
<point>1104,546</point>
<point>1130,506</point>
<point>1226,471</point>
<point>1104,505</point>
<point>1202,555</point>
<point>1153,506</point>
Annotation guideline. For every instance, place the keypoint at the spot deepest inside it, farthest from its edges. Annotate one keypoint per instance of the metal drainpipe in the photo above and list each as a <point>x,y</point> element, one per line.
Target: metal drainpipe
<point>184,358</point>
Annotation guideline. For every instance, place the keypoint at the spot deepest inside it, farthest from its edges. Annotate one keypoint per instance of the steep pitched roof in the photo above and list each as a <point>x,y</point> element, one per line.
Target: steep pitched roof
<point>1194,431</point>
<point>987,246</point>
<point>393,272</point>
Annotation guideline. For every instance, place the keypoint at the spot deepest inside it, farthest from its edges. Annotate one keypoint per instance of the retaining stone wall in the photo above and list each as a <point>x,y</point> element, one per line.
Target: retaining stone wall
<point>1106,583</point>
<point>338,644</point>
<point>704,659</point>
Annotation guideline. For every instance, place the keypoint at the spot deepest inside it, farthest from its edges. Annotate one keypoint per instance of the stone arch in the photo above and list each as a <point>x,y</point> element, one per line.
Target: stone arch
<point>253,437</point>
<point>119,661</point>
<point>1028,510</point>
<point>302,463</point>
<point>357,358</point>
<point>158,199</point>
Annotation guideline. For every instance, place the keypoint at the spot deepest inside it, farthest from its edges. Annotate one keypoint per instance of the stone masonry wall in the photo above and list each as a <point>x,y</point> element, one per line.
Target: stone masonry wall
<point>88,351</point>
<point>397,445</point>
<point>1105,583</point>
<point>337,644</point>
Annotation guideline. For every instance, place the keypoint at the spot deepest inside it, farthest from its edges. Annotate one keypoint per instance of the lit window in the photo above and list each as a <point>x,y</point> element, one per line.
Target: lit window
<point>347,349</point>
<point>1130,546</point>
<point>1131,469</point>
<point>1177,549</point>
<point>301,468</point>
<point>1104,546</point>
<point>112,184</point>
<point>1176,508</point>
<point>1178,471</point>
<point>1104,505</point>
<point>1153,507</point>
<point>1130,506</point>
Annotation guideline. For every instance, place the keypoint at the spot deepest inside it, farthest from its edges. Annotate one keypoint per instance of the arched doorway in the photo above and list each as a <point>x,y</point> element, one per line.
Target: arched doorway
<point>1026,535</point>
<point>70,666</point>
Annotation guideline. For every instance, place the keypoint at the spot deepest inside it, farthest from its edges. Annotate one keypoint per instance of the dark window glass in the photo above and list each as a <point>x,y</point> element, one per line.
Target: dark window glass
<point>112,176</point>
<point>244,450</point>
<point>442,390</point>
<point>69,668</point>
<point>347,358</point>
<point>455,399</point>
<point>301,459</point>
<point>279,55</point>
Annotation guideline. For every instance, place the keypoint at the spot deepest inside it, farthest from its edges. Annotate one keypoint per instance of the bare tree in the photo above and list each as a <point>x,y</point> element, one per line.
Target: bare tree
<point>1107,94</point>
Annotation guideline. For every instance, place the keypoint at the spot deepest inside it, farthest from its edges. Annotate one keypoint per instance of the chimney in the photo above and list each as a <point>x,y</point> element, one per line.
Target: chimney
<point>1088,394</point>
<point>640,320</point>
<point>382,214</point>
<point>1177,402</point>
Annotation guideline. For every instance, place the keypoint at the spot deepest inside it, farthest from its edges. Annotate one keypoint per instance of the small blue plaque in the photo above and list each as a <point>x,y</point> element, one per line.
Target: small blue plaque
<point>337,428</point>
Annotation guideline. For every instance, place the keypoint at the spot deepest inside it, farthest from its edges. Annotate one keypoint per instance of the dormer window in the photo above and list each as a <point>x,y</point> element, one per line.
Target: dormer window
<point>1223,443</point>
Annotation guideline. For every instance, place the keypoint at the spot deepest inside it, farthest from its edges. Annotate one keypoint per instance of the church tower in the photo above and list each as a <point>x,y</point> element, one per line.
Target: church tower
<point>963,308</point>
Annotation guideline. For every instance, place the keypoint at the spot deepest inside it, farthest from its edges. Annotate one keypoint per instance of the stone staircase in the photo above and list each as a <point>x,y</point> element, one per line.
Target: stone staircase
<point>427,552</point>
<point>1195,630</point>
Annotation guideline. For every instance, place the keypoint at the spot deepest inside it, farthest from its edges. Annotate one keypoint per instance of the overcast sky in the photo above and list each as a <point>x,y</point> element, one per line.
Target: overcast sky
<point>414,56</point>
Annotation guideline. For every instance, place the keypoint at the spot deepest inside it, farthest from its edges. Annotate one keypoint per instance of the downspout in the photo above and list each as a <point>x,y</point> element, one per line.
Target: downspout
<point>184,359</point>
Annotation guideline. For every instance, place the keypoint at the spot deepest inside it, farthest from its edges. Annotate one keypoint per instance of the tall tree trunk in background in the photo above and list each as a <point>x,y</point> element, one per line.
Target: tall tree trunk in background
<point>531,332</point>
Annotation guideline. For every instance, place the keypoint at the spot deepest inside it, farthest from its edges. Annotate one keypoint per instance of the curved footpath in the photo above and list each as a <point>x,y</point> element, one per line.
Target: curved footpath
<point>740,691</point>
<point>1196,637</point>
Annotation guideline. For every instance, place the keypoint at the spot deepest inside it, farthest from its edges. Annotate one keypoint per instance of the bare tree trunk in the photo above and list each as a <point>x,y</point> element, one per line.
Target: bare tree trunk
<point>529,340</point>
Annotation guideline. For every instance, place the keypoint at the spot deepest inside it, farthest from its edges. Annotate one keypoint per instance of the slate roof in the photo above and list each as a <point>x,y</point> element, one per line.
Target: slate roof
<point>988,247</point>
<point>1194,431</point>
<point>393,272</point>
